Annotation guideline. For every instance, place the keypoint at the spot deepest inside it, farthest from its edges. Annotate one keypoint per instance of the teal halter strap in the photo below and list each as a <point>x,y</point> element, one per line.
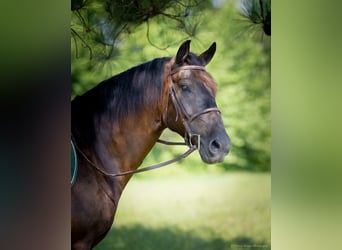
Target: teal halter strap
<point>73,158</point>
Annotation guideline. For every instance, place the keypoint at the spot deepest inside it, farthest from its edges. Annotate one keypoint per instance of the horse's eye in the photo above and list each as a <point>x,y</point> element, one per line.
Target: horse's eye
<point>184,87</point>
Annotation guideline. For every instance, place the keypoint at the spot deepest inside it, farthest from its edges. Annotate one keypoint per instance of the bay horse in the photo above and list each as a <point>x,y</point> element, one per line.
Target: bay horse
<point>115,125</point>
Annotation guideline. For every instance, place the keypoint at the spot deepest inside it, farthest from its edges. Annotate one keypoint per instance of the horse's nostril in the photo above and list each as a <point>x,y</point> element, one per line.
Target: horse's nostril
<point>214,146</point>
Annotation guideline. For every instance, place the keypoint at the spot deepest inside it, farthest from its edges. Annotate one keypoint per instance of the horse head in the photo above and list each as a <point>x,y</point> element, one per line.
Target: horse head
<point>192,111</point>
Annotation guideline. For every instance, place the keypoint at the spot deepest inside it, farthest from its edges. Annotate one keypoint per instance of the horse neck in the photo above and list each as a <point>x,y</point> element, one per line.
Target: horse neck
<point>123,147</point>
<point>119,145</point>
<point>131,139</point>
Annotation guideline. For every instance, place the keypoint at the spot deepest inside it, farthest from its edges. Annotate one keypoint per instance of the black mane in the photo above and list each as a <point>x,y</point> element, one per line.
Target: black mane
<point>121,95</point>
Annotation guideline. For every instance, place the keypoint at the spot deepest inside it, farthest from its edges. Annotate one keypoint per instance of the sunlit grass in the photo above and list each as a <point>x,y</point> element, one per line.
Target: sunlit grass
<point>225,211</point>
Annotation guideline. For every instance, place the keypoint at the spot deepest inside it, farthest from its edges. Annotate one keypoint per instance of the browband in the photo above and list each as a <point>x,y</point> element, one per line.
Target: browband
<point>196,67</point>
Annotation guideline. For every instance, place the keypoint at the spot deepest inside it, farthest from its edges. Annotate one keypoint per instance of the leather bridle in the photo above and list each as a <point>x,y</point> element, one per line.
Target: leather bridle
<point>186,119</point>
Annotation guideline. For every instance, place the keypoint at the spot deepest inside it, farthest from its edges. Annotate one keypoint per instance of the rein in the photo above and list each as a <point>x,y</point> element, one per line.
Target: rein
<point>186,120</point>
<point>184,155</point>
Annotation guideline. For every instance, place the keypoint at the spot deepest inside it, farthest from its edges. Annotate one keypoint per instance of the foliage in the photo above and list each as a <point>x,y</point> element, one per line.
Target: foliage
<point>100,26</point>
<point>257,12</point>
<point>241,67</point>
<point>227,211</point>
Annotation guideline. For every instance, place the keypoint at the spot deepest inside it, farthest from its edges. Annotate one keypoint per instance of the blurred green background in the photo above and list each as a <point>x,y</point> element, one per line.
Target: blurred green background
<point>192,205</point>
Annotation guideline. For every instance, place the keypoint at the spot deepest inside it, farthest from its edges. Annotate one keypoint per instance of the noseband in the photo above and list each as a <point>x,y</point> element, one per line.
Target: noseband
<point>186,118</point>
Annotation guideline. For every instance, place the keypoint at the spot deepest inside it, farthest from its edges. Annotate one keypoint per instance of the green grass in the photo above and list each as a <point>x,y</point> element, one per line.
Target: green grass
<point>225,211</point>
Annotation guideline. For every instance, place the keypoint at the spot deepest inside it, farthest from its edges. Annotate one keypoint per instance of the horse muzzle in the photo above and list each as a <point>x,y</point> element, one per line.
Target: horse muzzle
<point>214,149</point>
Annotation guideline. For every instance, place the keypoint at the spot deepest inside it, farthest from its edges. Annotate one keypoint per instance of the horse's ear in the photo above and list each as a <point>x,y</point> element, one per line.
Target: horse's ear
<point>208,54</point>
<point>183,52</point>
